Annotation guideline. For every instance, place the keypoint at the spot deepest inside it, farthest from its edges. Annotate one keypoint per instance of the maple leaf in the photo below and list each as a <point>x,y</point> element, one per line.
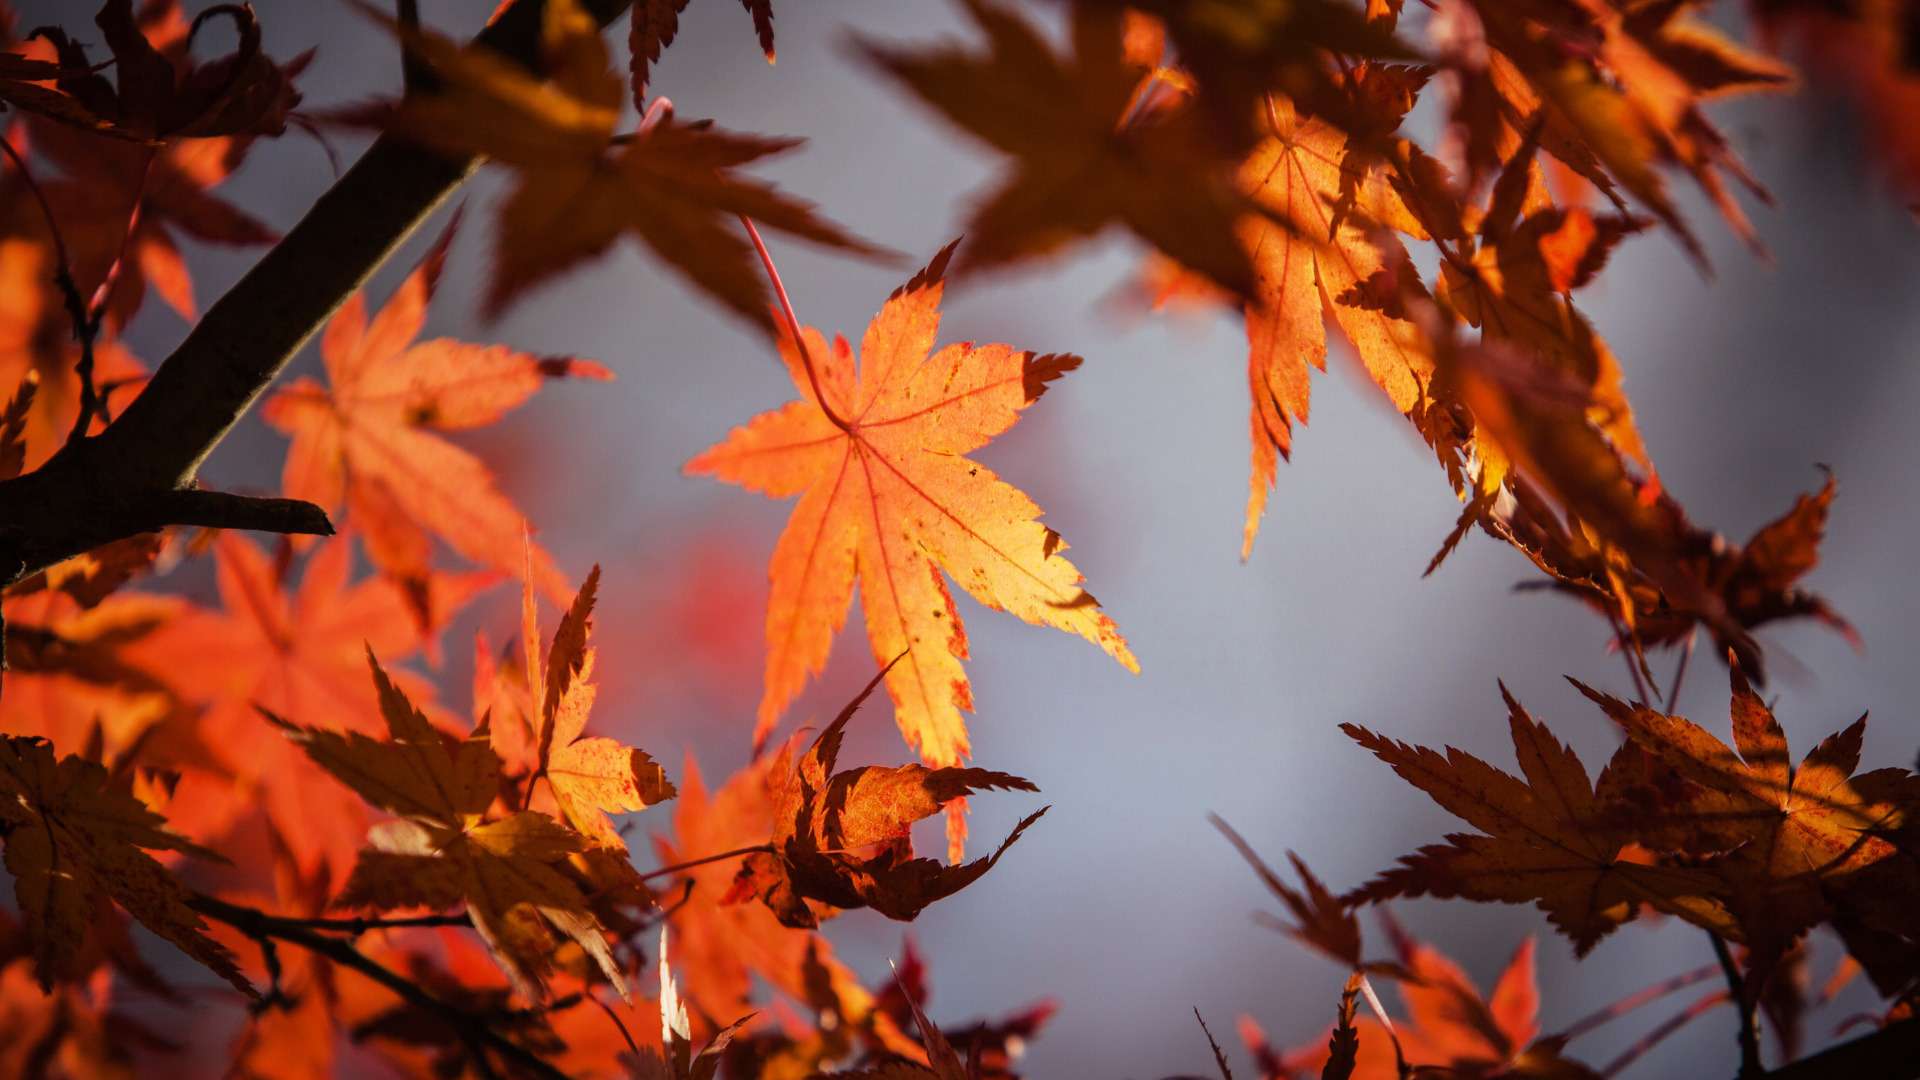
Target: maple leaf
<point>875,452</point>
<point>722,947</point>
<point>442,851</point>
<point>67,680</point>
<point>1324,249</point>
<point>1539,419</point>
<point>1450,1029</point>
<point>1086,155</point>
<point>821,819</point>
<point>21,79</point>
<point>1324,923</point>
<point>655,22</point>
<point>578,189</point>
<point>1756,581</point>
<point>69,838</point>
<point>1629,95</point>
<point>366,438</point>
<point>589,777</point>
<point>1546,839</point>
<point>1790,831</point>
<point>122,206</point>
<point>1514,288</point>
<point>164,94</point>
<point>298,655</point>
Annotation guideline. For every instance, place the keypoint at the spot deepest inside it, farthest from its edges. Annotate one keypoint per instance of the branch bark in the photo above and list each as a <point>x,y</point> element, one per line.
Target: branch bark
<point>138,474</point>
<point>1891,1053</point>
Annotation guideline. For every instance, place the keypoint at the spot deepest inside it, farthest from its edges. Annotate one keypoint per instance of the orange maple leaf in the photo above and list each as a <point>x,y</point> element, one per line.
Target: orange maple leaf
<point>1449,1030</point>
<point>444,850</point>
<point>71,838</point>
<point>302,656</point>
<point>366,438</point>
<point>1549,839</point>
<point>874,449</point>
<point>1087,154</point>
<point>824,822</point>
<point>593,776</point>
<point>722,947</point>
<point>578,189</point>
<point>1324,249</point>
<point>1796,835</point>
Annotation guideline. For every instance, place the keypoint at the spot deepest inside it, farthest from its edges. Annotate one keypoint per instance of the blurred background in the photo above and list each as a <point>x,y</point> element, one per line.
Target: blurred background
<point>1124,903</point>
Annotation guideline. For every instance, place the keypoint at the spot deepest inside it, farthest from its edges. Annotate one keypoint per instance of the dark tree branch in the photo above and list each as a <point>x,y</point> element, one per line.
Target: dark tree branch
<point>104,488</point>
<point>475,1030</point>
<point>1891,1053</point>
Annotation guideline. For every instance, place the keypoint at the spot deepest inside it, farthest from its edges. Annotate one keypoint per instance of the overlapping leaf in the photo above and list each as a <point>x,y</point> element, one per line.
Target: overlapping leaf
<point>822,820</point>
<point>300,653</point>
<point>1546,839</point>
<point>70,840</point>
<point>1086,155</point>
<point>577,188</point>
<point>875,452</point>
<point>1796,835</point>
<point>366,439</point>
<point>443,851</point>
<point>590,777</point>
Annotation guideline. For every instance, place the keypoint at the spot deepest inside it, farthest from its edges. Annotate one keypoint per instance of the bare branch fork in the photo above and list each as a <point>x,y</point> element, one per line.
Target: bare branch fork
<point>139,474</point>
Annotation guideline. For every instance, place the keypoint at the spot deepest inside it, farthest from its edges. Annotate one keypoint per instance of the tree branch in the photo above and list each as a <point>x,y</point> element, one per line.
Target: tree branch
<point>1891,1053</point>
<point>104,488</point>
<point>472,1028</point>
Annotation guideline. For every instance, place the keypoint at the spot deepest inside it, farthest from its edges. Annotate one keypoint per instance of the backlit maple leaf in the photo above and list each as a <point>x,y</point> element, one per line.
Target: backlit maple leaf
<point>1450,1029</point>
<point>1330,253</point>
<point>721,948</point>
<point>69,838</point>
<point>824,823</point>
<point>655,22</point>
<point>1547,839</point>
<point>888,499</point>
<point>301,655</point>
<point>367,438</point>
<point>1086,156</point>
<point>590,777</point>
<point>444,852</point>
<point>1794,833</point>
<point>577,189</point>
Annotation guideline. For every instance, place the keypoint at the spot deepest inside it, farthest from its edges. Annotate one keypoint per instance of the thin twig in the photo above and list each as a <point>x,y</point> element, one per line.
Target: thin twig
<point>84,317</point>
<point>1627,651</point>
<point>357,927</point>
<point>1750,1066</point>
<point>667,913</point>
<point>677,867</point>
<point>473,1029</point>
<point>793,325</point>
<point>1653,1038</point>
<point>1680,672</point>
<point>617,1022</point>
<point>1633,1001</point>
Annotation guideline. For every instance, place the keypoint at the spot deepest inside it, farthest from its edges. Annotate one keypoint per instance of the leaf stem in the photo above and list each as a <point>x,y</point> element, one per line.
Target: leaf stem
<point>1750,1066</point>
<point>1680,672</point>
<point>473,1029</point>
<point>677,867</point>
<point>1653,1038</point>
<point>793,325</point>
<point>1634,1000</point>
